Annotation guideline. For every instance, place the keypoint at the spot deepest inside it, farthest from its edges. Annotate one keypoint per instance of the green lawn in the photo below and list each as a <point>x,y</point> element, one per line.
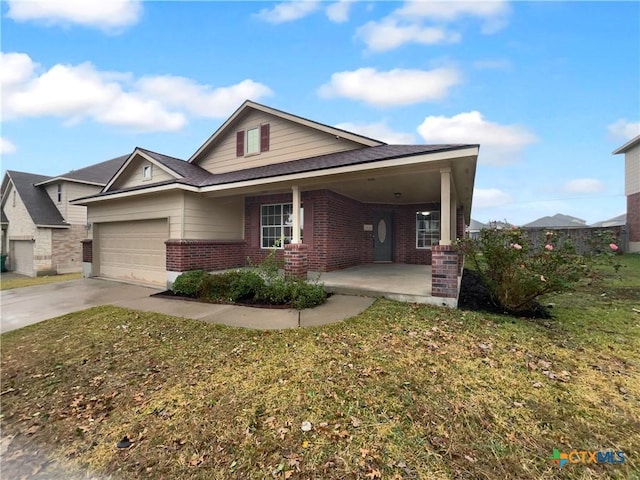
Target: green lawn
<point>31,281</point>
<point>400,391</point>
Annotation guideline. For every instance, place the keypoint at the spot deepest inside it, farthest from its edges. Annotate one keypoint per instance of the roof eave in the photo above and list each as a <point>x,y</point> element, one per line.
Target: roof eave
<point>67,179</point>
<point>627,146</point>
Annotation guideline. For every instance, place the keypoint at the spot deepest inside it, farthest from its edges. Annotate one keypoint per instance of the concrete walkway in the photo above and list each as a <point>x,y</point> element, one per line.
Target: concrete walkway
<point>25,306</point>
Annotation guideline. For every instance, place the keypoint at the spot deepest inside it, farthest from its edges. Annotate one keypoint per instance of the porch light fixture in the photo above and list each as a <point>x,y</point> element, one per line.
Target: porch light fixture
<point>425,213</point>
<point>397,194</point>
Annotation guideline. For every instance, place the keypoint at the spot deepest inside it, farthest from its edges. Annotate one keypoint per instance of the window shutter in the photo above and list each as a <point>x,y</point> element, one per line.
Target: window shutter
<point>240,143</point>
<point>264,137</point>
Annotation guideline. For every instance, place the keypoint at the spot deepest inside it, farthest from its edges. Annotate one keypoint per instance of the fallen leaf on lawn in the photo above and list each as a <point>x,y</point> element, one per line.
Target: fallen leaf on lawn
<point>305,444</point>
<point>374,473</point>
<point>306,426</point>
<point>282,431</point>
<point>471,459</point>
<point>356,422</point>
<point>536,385</point>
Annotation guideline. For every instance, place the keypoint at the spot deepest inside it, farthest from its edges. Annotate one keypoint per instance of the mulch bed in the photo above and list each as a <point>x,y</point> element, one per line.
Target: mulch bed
<point>474,295</point>
<point>169,294</point>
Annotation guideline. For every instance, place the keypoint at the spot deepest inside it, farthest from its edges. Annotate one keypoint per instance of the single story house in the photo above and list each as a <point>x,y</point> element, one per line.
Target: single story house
<point>41,229</point>
<point>325,198</point>
<point>631,151</point>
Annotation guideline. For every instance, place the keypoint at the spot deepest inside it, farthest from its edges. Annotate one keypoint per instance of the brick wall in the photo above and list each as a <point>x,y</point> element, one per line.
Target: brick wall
<point>444,272</point>
<point>296,260</point>
<point>633,217</point>
<point>87,250</point>
<point>66,248</point>
<point>183,255</point>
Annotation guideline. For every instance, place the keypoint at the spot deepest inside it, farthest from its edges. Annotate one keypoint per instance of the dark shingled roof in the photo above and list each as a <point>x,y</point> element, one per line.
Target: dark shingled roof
<point>557,221</point>
<point>202,178</point>
<point>99,173</point>
<point>3,217</point>
<point>188,170</point>
<point>36,200</point>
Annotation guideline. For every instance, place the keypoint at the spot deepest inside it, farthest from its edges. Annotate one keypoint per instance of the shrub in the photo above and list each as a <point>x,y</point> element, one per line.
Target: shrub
<point>245,285</point>
<point>190,283</point>
<point>308,295</point>
<point>516,273</point>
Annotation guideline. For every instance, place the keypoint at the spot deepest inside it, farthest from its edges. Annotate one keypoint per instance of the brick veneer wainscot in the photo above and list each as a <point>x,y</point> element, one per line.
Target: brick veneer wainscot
<point>444,271</point>
<point>183,255</point>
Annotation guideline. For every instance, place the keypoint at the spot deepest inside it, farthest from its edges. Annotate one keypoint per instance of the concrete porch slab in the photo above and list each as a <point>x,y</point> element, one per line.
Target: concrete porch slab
<point>396,281</point>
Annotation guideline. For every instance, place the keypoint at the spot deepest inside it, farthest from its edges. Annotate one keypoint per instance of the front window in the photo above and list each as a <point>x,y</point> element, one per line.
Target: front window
<point>146,172</point>
<point>253,141</point>
<point>427,229</point>
<point>276,225</point>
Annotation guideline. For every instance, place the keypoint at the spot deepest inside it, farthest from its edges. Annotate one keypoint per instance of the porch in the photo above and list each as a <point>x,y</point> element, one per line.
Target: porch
<point>396,281</point>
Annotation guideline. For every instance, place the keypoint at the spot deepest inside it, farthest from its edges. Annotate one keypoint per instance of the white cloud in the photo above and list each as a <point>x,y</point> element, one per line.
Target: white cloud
<point>394,87</point>
<point>429,23</point>
<point>584,185</point>
<point>338,12</point>
<point>494,13</point>
<point>107,15</point>
<point>389,34</point>
<point>499,144</point>
<point>6,146</point>
<point>288,11</point>
<point>15,68</point>
<point>624,130</point>
<point>379,131</point>
<point>198,99</point>
<point>490,198</point>
<point>81,92</point>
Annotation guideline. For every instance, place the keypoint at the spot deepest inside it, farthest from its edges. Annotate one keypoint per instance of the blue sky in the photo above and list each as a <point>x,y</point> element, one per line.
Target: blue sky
<point>549,89</point>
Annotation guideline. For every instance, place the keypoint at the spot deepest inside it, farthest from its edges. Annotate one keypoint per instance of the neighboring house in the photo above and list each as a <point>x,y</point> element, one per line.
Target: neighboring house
<point>473,230</point>
<point>631,151</point>
<point>326,198</point>
<point>557,221</point>
<point>41,230</point>
<point>619,221</point>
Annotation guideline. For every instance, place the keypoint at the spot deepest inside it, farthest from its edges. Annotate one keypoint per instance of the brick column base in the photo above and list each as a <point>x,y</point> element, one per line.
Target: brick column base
<point>87,258</point>
<point>296,261</point>
<point>444,271</point>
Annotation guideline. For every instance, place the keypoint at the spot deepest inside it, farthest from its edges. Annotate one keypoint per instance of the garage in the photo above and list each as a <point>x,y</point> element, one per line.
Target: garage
<point>133,251</point>
<point>21,256</point>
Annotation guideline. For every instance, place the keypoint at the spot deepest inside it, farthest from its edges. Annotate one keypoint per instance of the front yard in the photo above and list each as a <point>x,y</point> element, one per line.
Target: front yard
<point>401,391</point>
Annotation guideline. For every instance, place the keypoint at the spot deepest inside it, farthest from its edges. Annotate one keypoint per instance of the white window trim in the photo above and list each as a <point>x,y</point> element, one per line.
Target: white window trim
<point>416,223</point>
<point>59,193</point>
<point>246,141</point>
<point>144,169</point>
<point>282,225</point>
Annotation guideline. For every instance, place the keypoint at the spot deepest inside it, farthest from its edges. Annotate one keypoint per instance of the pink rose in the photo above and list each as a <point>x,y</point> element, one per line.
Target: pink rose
<point>613,247</point>
<point>548,247</point>
<point>516,246</point>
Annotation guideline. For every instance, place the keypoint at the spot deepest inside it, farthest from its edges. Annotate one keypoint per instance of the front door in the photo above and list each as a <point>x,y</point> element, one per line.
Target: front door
<point>383,237</point>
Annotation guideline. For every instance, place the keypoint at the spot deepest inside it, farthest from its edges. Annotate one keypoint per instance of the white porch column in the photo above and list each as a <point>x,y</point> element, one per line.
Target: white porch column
<point>454,216</point>
<point>296,214</point>
<point>445,206</point>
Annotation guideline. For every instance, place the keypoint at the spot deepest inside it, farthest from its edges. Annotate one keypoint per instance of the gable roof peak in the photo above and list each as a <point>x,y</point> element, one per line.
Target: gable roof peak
<point>248,105</point>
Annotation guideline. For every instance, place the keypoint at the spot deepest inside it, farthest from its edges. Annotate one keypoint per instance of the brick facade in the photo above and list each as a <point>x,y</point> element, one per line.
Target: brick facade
<point>87,250</point>
<point>444,271</point>
<point>183,255</point>
<point>633,217</point>
<point>333,236</point>
<point>66,249</point>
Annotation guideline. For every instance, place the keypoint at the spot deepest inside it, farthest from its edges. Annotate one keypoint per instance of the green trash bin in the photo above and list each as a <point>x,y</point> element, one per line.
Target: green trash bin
<point>3,263</point>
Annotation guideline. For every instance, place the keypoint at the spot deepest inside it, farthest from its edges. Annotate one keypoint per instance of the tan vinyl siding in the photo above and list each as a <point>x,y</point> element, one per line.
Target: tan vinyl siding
<point>162,205</point>
<point>632,171</point>
<point>77,214</point>
<point>74,214</point>
<point>213,218</point>
<point>132,175</point>
<point>21,225</point>
<point>288,141</point>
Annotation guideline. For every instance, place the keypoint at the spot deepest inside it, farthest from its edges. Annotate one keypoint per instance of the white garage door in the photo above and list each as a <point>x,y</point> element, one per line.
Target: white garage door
<point>133,251</point>
<point>21,257</point>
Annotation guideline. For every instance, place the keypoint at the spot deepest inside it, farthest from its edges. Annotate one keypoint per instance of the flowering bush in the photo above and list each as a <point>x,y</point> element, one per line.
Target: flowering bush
<point>515,273</point>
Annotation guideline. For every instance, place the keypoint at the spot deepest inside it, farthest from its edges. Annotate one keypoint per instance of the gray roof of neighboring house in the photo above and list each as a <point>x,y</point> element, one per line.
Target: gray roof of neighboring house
<point>99,173</point>
<point>198,177</point>
<point>3,217</point>
<point>557,221</point>
<point>475,225</point>
<point>618,221</point>
<point>36,200</point>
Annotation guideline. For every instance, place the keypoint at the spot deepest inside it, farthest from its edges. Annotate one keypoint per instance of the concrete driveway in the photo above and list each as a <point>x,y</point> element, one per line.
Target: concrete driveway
<point>24,306</point>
